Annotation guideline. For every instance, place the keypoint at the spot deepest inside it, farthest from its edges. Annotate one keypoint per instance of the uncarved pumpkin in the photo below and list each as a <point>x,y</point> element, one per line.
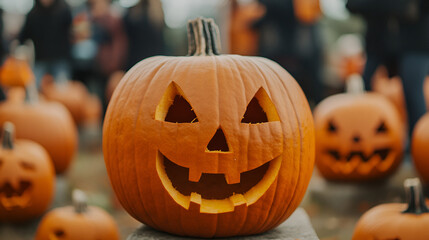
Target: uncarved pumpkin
<point>47,123</point>
<point>307,11</point>
<point>27,178</point>
<point>78,222</point>
<point>209,145</point>
<point>396,221</point>
<point>16,72</point>
<point>75,97</point>
<point>392,89</point>
<point>359,137</point>
<point>419,147</point>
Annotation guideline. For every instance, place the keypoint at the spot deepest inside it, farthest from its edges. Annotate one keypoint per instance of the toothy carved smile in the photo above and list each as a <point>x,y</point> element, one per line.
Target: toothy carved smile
<point>11,197</point>
<point>212,192</point>
<point>382,153</point>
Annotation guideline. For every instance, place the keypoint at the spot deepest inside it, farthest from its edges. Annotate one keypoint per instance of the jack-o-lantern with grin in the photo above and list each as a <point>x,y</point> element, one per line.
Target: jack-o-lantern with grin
<point>359,136</point>
<point>209,145</point>
<point>27,178</point>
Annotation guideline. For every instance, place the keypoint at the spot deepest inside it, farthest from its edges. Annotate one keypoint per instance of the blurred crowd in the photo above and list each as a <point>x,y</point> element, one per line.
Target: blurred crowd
<point>94,40</point>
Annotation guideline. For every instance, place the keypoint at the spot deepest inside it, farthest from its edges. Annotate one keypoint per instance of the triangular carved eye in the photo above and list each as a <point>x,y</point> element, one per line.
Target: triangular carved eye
<point>332,127</point>
<point>260,109</point>
<point>382,128</point>
<point>174,107</point>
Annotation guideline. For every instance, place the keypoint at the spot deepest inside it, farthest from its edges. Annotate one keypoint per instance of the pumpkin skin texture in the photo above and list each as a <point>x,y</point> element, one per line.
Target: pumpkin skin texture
<point>419,147</point>
<point>16,73</point>
<point>66,223</point>
<point>395,221</point>
<point>47,123</point>
<point>27,180</point>
<point>358,137</point>
<point>176,169</point>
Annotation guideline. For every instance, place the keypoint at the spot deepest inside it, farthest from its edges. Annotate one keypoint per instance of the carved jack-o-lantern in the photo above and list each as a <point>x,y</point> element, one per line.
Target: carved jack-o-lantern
<point>210,145</point>
<point>78,222</point>
<point>396,221</point>
<point>359,136</point>
<point>26,178</point>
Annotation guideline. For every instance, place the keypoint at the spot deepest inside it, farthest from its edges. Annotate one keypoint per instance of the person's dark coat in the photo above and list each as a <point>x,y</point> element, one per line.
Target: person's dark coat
<point>49,29</point>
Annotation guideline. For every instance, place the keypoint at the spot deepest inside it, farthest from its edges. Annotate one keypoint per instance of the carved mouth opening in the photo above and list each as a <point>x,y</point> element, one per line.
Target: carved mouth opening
<point>11,197</point>
<point>383,153</point>
<point>212,193</point>
<point>212,186</point>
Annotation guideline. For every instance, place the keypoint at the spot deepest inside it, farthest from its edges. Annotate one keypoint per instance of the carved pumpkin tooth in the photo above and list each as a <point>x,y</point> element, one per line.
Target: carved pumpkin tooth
<point>232,177</point>
<point>238,200</point>
<point>194,175</point>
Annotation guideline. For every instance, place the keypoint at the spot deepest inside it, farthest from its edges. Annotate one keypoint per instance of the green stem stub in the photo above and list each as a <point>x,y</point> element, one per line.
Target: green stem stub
<point>8,135</point>
<point>415,198</point>
<point>79,201</point>
<point>203,37</point>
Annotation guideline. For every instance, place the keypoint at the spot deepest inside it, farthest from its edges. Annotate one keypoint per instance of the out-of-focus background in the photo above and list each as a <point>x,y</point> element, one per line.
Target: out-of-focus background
<point>94,41</point>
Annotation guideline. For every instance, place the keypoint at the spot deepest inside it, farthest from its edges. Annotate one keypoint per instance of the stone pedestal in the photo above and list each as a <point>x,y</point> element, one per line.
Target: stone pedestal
<point>298,226</point>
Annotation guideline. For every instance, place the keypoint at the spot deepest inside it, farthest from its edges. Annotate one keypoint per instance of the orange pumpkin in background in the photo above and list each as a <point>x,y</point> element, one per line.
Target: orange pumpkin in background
<point>419,147</point>
<point>404,221</point>
<point>16,72</point>
<point>78,222</point>
<point>391,89</point>
<point>75,97</point>
<point>193,144</point>
<point>359,136</point>
<point>47,123</point>
<point>307,11</point>
<point>27,178</point>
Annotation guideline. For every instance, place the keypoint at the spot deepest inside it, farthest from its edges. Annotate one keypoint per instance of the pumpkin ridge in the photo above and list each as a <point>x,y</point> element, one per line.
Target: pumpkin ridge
<point>263,226</point>
<point>296,187</point>
<point>154,74</point>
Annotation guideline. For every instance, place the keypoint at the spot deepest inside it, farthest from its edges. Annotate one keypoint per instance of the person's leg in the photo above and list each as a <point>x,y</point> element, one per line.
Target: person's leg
<point>413,70</point>
<point>39,69</point>
<point>61,71</point>
<point>372,62</point>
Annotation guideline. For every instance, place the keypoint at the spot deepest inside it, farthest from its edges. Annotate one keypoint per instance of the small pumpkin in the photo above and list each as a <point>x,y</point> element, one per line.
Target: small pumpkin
<point>359,136</point>
<point>47,123</point>
<point>78,222</point>
<point>307,11</point>
<point>27,178</point>
<point>16,72</point>
<point>391,89</point>
<point>401,221</point>
<point>419,147</point>
<point>209,145</point>
<point>75,97</point>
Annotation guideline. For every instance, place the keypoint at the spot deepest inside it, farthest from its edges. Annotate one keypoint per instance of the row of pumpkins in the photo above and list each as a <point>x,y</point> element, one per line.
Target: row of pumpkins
<point>193,144</point>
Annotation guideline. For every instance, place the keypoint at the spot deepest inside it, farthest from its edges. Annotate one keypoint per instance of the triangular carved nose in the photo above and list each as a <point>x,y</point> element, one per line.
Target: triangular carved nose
<point>218,142</point>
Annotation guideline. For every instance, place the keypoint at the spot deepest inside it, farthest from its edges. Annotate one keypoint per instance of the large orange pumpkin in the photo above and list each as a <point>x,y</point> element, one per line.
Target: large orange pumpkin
<point>396,221</point>
<point>359,137</point>
<point>419,147</point>
<point>209,145</point>
<point>47,123</point>
<point>27,178</point>
<point>16,72</point>
<point>78,222</point>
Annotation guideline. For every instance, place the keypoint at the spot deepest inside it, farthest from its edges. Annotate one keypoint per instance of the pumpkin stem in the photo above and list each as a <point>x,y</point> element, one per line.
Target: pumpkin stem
<point>203,37</point>
<point>415,198</point>
<point>8,135</point>
<point>32,95</point>
<point>355,84</point>
<point>79,201</point>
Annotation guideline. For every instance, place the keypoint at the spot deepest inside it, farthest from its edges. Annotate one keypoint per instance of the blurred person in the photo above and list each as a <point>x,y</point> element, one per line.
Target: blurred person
<point>293,43</point>
<point>144,25</point>
<point>381,37</point>
<point>48,25</point>
<point>414,66</point>
<point>109,35</point>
